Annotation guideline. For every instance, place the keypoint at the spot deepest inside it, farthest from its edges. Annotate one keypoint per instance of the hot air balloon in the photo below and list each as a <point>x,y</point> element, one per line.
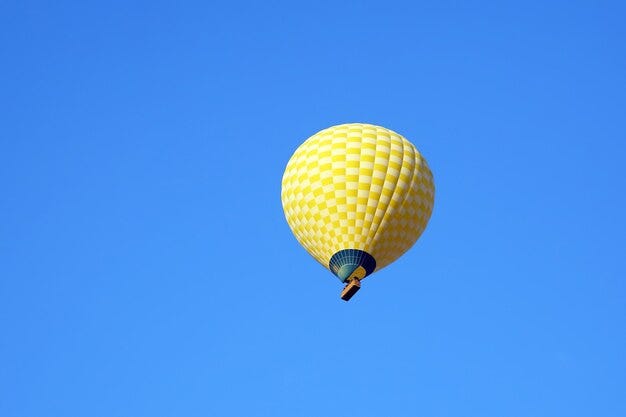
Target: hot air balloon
<point>357,196</point>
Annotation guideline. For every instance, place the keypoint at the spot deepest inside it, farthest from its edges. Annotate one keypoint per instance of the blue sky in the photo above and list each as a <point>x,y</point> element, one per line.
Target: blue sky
<point>146,268</point>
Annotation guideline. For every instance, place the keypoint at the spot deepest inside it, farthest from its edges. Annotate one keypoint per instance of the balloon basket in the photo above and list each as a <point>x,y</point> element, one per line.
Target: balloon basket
<point>349,290</point>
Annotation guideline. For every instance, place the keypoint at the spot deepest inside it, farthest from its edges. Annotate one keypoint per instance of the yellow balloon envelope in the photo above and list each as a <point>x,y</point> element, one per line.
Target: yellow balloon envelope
<point>357,196</point>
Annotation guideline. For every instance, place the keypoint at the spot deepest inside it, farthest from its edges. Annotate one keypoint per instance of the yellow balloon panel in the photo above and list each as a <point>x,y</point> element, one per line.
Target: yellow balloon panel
<point>357,186</point>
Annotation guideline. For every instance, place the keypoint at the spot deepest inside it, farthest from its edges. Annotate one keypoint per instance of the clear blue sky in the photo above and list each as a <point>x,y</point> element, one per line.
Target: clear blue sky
<point>146,268</point>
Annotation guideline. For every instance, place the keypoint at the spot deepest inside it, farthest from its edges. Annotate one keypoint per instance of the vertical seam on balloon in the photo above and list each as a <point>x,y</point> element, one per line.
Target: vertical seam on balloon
<point>329,231</point>
<point>352,223</point>
<point>375,231</point>
<point>410,186</point>
<point>332,241</point>
<point>324,234</point>
<point>338,243</point>
<point>369,191</point>
<point>386,214</point>
<point>367,196</point>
